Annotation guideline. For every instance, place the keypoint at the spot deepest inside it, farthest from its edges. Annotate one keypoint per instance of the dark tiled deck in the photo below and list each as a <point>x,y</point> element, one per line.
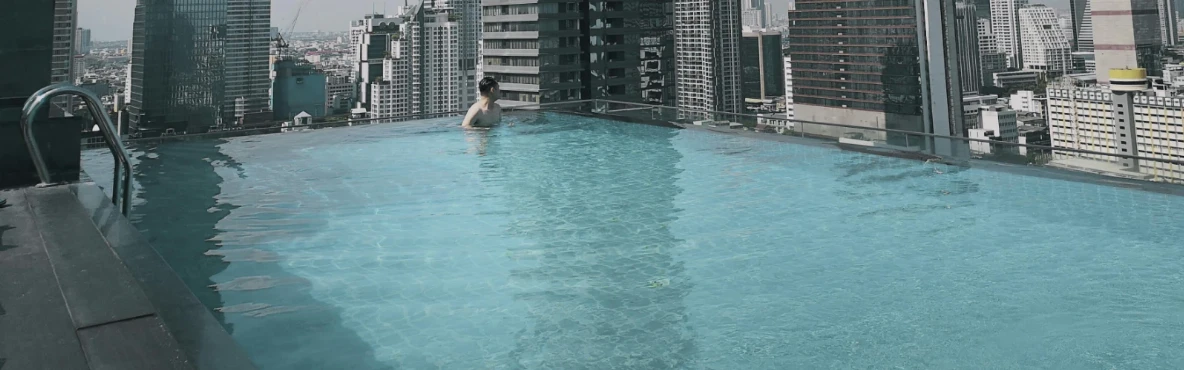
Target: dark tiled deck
<point>81,289</point>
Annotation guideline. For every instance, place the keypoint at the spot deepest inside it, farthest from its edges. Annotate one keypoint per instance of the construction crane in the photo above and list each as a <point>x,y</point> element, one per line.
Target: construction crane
<point>281,45</point>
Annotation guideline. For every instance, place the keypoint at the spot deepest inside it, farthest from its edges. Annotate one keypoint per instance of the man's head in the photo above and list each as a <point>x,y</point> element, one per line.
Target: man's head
<point>489,89</point>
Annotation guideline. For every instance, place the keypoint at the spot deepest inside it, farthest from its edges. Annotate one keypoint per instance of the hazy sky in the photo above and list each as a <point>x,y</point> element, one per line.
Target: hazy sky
<point>111,20</point>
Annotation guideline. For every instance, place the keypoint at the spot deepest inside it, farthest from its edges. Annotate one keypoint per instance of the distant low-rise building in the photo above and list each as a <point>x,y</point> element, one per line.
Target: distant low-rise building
<point>1017,78</point>
<point>1026,101</point>
<point>998,123</point>
<point>1151,127</point>
<point>297,87</point>
<point>971,105</point>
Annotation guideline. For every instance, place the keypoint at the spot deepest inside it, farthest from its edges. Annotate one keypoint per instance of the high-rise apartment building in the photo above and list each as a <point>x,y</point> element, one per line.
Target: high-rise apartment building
<point>1169,29</point>
<point>1005,25</point>
<point>555,50</point>
<point>198,64</point>
<point>437,82</point>
<point>1079,14</point>
<point>82,41</point>
<point>467,14</point>
<point>707,49</point>
<point>422,67</point>
<point>371,39</point>
<point>1126,35</point>
<point>1044,45</point>
<point>991,60</point>
<point>753,14</point>
<point>248,69</point>
<point>969,55</point>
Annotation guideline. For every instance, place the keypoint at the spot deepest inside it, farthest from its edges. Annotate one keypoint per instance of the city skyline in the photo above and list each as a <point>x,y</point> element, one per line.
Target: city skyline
<point>111,20</point>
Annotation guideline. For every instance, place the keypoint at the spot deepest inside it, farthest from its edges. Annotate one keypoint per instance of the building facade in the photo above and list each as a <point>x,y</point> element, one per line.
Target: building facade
<point>64,26</point>
<point>1126,35</point>
<point>852,66</point>
<point>556,50</point>
<point>178,67</point>
<point>753,14</point>
<point>82,42</point>
<point>789,87</point>
<point>438,84</point>
<point>969,55</point>
<point>339,93</point>
<point>996,123</point>
<point>297,87</point>
<point>1044,46</point>
<point>1083,32</point>
<point>707,52</point>
<point>371,38</point>
<point>762,66</point>
<point>991,60</point>
<point>247,48</point>
<point>1169,19</point>
<point>1005,25</point>
<point>1085,118</point>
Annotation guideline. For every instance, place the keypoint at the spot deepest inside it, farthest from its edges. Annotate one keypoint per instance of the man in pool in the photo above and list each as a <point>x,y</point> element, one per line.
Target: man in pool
<point>485,112</point>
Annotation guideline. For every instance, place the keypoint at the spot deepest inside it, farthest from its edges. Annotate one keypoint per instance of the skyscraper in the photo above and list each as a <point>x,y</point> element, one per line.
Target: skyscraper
<point>82,41</point>
<point>707,50</point>
<point>752,14</point>
<point>866,64</point>
<point>437,82</point>
<point>1126,35</point>
<point>468,43</point>
<point>197,64</point>
<point>64,22</point>
<point>1083,40</point>
<point>762,65</point>
<point>370,39</point>
<point>248,70</point>
<point>548,51</point>
<point>1045,47</point>
<point>1077,12</point>
<point>990,59</point>
<point>1005,25</point>
<point>969,56</point>
<point>1168,22</point>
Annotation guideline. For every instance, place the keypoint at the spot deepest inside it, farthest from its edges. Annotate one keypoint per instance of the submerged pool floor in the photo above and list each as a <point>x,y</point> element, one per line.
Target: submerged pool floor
<point>566,242</point>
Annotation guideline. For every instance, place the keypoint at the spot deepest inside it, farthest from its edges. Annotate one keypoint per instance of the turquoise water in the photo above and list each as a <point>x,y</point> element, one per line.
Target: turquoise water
<point>576,243</point>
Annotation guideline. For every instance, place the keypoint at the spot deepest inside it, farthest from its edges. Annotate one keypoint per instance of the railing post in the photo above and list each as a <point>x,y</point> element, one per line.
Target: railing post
<point>121,188</point>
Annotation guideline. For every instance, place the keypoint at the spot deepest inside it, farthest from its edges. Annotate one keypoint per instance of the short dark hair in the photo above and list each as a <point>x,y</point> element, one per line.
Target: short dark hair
<point>486,85</point>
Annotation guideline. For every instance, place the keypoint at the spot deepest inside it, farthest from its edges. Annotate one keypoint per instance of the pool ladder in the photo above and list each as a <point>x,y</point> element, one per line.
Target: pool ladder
<point>121,189</point>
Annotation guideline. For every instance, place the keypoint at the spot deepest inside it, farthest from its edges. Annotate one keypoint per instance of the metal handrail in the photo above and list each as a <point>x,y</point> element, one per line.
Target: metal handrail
<point>121,190</point>
<point>906,132</point>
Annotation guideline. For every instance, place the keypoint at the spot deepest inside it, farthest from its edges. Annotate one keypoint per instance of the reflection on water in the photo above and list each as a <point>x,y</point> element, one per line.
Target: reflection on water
<point>596,199</point>
<point>176,210</point>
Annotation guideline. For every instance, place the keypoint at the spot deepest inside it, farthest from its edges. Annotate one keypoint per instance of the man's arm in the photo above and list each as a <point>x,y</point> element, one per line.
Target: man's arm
<point>470,117</point>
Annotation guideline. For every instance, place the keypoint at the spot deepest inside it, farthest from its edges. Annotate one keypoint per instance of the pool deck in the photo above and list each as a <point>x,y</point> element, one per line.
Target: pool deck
<point>81,289</point>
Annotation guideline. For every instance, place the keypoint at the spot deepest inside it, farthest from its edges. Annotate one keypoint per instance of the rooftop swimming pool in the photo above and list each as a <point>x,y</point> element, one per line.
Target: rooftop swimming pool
<point>570,242</point>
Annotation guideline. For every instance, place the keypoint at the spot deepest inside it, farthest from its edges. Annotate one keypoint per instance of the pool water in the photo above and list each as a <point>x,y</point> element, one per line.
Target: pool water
<point>567,242</point>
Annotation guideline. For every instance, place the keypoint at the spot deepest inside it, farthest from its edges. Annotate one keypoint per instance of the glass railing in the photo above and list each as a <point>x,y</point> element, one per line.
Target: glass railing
<point>897,143</point>
<point>1090,165</point>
